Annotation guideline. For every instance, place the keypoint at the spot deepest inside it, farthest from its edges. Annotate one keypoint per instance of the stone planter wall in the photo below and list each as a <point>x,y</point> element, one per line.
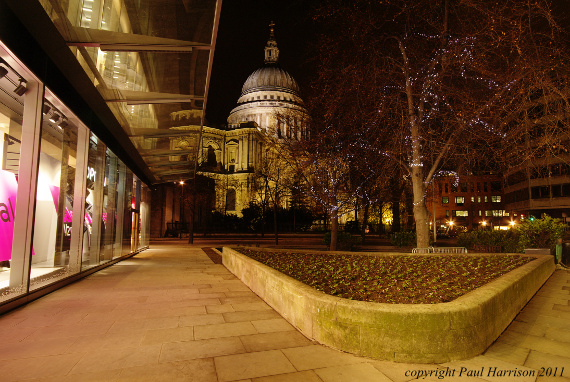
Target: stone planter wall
<point>419,333</point>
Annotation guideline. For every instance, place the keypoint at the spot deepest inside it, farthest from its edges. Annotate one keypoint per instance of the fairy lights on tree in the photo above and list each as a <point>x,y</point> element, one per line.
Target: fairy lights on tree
<point>430,85</point>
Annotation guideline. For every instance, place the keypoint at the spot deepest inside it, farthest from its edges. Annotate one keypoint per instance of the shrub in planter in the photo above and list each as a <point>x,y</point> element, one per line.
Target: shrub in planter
<point>508,240</point>
<point>403,239</point>
<point>345,241</point>
<point>540,233</point>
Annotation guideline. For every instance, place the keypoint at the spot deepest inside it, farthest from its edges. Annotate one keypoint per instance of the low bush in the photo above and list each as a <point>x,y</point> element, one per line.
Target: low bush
<point>536,233</point>
<point>403,239</point>
<point>541,233</point>
<point>345,241</point>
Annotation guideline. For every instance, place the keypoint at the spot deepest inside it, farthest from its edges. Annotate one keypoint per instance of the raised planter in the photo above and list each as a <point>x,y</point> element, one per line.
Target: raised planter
<point>420,333</point>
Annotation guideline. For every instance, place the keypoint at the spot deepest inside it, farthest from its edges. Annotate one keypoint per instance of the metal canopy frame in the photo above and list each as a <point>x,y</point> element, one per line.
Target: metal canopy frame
<point>133,73</point>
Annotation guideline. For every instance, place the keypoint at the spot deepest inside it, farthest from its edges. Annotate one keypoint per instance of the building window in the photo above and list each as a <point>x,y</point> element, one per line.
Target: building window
<point>472,199</point>
<point>463,187</point>
<point>446,213</point>
<point>488,213</point>
<point>498,213</point>
<point>445,199</point>
<point>459,200</point>
<point>540,192</point>
<point>478,187</point>
<point>461,213</point>
<point>453,187</point>
<point>446,188</point>
<point>486,199</point>
<point>484,186</point>
<point>478,199</point>
<point>480,213</point>
<point>495,198</point>
<point>472,187</point>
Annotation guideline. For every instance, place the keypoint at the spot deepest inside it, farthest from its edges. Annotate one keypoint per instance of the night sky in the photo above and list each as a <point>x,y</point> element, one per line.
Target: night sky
<point>242,35</point>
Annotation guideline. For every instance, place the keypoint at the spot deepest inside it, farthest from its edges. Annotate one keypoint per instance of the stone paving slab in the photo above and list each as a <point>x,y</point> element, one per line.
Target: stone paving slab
<point>171,314</point>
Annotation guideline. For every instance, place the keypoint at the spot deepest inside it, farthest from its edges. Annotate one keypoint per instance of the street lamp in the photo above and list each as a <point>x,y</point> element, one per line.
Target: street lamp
<point>182,208</point>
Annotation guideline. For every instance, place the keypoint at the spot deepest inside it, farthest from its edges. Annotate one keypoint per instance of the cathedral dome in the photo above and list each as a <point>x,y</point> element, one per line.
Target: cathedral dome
<point>269,94</point>
<point>270,77</point>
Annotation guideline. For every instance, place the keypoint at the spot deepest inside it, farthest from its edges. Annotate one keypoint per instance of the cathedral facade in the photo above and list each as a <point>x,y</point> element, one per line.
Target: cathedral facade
<point>269,107</point>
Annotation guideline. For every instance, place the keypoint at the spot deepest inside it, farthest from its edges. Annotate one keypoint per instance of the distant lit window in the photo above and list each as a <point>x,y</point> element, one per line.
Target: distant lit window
<point>445,200</point>
<point>488,213</point>
<point>459,200</point>
<point>472,199</point>
<point>486,199</point>
<point>496,198</point>
<point>478,199</point>
<point>498,212</point>
<point>446,213</point>
<point>480,213</point>
<point>461,213</point>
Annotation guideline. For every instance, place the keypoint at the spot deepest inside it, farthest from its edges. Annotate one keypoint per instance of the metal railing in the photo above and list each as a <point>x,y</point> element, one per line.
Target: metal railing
<point>440,250</point>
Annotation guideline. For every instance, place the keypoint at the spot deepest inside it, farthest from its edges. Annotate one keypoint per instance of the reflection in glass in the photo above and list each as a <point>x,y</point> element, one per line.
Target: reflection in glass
<point>10,135</point>
<point>94,218</point>
<point>54,198</point>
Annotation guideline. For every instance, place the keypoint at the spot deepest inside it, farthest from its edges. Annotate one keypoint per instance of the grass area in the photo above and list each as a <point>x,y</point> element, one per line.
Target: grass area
<point>406,279</point>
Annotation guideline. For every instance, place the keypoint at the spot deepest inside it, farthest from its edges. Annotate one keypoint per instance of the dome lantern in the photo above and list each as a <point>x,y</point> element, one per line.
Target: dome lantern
<point>271,50</point>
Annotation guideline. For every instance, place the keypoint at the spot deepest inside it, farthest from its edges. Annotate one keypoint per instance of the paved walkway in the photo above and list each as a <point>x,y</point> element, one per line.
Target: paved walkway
<point>171,314</point>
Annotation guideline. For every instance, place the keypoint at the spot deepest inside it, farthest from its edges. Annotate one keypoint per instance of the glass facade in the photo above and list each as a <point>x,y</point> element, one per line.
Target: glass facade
<point>67,202</point>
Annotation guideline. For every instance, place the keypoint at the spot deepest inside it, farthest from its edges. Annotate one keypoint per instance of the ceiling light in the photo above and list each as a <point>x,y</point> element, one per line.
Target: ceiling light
<point>54,118</point>
<point>21,89</point>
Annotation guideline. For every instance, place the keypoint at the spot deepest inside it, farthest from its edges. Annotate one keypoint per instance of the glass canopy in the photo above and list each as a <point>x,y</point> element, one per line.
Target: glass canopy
<point>151,62</point>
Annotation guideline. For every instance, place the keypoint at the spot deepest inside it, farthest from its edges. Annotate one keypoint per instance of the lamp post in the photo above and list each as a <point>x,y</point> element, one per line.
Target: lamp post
<point>182,223</point>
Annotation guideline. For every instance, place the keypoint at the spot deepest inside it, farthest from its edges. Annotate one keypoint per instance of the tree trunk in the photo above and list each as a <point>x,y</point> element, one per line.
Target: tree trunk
<point>263,219</point>
<point>364,222</point>
<point>275,223</point>
<point>421,214</point>
<point>395,214</point>
<point>334,230</point>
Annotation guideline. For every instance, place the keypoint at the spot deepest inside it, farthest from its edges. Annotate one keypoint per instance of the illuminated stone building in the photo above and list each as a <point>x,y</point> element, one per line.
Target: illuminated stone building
<point>269,106</point>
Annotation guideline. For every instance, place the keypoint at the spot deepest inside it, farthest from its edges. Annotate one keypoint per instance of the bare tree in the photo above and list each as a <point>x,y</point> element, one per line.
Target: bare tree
<point>272,179</point>
<point>431,79</point>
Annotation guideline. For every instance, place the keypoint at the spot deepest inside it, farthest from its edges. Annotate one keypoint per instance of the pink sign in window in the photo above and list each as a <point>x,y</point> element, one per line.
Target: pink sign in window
<point>8,192</point>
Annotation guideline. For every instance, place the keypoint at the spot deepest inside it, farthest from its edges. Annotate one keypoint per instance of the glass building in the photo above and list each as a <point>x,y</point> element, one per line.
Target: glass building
<point>87,88</point>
